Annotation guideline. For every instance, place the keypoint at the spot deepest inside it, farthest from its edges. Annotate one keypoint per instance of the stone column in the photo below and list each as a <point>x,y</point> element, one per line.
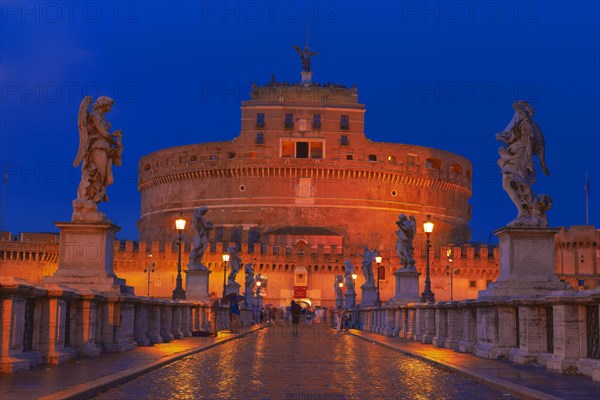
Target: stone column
<point>468,339</point>
<point>398,322</point>
<point>454,323</point>
<point>166,321</point>
<point>11,340</point>
<point>409,324</point>
<point>53,327</point>
<point>429,331</point>
<point>87,325</point>
<point>369,294</point>
<point>186,320</point>
<point>196,284</point>
<point>568,336</point>
<point>118,326</point>
<point>176,321</point>
<point>407,286</point>
<point>441,327</point>
<point>419,324</point>
<point>140,333</point>
<point>531,343</point>
<point>155,322</point>
<point>390,322</point>
<point>487,332</point>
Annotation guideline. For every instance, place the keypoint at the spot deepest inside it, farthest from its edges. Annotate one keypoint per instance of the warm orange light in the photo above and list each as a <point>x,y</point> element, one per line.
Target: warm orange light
<point>180,224</point>
<point>341,284</point>
<point>225,257</point>
<point>378,259</point>
<point>258,283</point>
<point>428,225</point>
<point>354,276</point>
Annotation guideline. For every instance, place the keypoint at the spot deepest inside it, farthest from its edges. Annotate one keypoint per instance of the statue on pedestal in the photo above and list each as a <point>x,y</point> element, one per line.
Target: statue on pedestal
<point>235,264</point>
<point>305,56</point>
<point>349,282</point>
<point>523,139</point>
<point>367,267</point>
<point>249,274</point>
<point>338,290</point>
<point>404,243</point>
<point>98,151</point>
<point>201,231</point>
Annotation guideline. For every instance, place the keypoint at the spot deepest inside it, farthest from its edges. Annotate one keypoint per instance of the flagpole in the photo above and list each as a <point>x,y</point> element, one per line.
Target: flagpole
<point>587,199</point>
<point>4,199</point>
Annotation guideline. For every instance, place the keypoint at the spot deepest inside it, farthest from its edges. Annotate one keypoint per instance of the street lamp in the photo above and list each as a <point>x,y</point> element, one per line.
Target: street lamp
<point>451,272</point>
<point>149,269</point>
<point>258,284</point>
<point>378,298</point>
<point>427,294</point>
<point>179,293</point>
<point>225,260</point>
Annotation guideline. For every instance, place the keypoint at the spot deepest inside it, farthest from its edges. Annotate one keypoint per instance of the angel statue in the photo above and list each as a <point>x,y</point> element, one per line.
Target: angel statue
<point>235,264</point>
<point>338,290</point>
<point>349,281</point>
<point>98,151</point>
<point>523,139</point>
<point>201,230</point>
<point>367,266</point>
<point>404,243</point>
<point>249,272</point>
<point>305,56</point>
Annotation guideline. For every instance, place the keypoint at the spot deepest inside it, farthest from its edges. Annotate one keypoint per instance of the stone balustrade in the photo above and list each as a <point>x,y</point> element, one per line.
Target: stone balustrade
<point>560,332</point>
<point>51,324</point>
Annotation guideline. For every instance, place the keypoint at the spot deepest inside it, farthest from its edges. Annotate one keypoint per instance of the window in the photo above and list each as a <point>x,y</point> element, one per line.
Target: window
<point>317,121</point>
<point>301,149</point>
<point>391,159</point>
<point>260,138</point>
<point>433,163</point>
<point>213,157</point>
<point>344,123</point>
<point>472,284</point>
<point>344,140</point>
<point>455,169</point>
<point>287,148</point>
<point>411,159</point>
<point>349,157</point>
<point>372,157</point>
<point>289,121</point>
<point>316,149</point>
<point>260,120</point>
<point>231,154</point>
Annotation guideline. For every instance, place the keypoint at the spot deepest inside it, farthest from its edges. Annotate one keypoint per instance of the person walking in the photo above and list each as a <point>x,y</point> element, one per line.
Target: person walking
<point>234,314</point>
<point>214,311</point>
<point>296,311</point>
<point>338,318</point>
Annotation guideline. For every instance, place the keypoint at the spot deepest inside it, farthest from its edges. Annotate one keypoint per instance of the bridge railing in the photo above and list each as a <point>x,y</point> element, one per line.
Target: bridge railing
<point>52,324</point>
<point>560,332</point>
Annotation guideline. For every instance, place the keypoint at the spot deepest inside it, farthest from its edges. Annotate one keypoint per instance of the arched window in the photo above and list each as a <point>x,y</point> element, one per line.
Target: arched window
<point>433,163</point>
<point>455,169</point>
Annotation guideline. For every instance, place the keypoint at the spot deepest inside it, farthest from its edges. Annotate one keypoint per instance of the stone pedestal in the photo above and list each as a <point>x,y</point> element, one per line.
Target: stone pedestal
<point>196,284</point>
<point>229,289</point>
<point>86,258</point>
<point>526,264</point>
<point>407,287</point>
<point>350,300</point>
<point>369,295</point>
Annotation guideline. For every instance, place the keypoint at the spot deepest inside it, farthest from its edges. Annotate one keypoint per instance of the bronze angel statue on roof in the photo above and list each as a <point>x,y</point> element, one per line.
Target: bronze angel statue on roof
<point>98,151</point>
<point>305,56</point>
<point>523,139</point>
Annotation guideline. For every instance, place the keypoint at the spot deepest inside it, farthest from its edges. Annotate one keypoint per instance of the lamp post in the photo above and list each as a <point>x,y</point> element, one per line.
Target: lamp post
<point>378,298</point>
<point>354,276</point>
<point>225,260</point>
<point>179,293</point>
<point>450,272</point>
<point>427,294</point>
<point>341,298</point>
<point>149,269</point>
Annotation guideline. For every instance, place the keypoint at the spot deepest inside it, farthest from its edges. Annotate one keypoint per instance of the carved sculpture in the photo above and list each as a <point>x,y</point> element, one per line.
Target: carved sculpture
<point>367,267</point>
<point>404,244</point>
<point>523,139</point>
<point>98,151</point>
<point>349,282</point>
<point>305,56</point>
<point>338,289</point>
<point>249,273</point>
<point>201,231</point>
<point>235,264</point>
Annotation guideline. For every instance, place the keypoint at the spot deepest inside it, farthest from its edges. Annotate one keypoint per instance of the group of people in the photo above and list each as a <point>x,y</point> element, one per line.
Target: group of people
<point>234,314</point>
<point>343,319</point>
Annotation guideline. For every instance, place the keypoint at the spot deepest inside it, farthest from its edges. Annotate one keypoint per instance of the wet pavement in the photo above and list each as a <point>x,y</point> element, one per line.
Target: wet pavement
<point>318,363</point>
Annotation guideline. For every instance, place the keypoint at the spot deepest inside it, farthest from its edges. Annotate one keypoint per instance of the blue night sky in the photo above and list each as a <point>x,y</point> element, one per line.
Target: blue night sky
<point>440,74</point>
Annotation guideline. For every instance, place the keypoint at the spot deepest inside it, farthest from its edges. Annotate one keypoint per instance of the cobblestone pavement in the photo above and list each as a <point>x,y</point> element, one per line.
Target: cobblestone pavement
<point>317,364</point>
